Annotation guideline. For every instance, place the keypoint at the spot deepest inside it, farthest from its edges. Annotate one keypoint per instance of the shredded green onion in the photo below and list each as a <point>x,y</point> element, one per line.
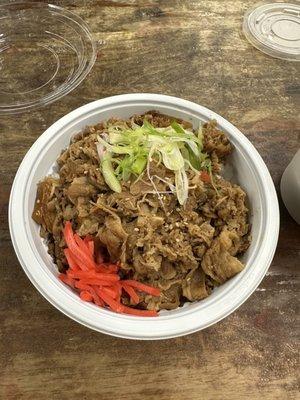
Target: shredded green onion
<point>108,173</point>
<point>127,151</point>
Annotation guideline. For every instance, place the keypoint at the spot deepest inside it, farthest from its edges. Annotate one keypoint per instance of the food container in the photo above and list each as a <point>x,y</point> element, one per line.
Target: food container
<point>244,166</point>
<point>290,187</point>
<point>45,53</point>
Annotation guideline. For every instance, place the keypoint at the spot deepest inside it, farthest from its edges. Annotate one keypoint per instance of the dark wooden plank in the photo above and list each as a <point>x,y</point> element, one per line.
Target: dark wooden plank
<point>195,50</point>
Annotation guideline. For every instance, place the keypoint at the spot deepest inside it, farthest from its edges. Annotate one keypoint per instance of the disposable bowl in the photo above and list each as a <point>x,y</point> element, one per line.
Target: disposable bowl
<point>244,166</point>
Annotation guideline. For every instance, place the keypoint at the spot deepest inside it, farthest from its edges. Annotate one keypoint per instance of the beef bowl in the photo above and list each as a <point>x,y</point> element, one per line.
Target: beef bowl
<point>200,246</point>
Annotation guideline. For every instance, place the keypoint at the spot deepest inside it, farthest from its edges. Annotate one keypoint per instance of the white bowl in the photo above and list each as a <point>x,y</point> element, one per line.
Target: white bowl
<point>246,167</point>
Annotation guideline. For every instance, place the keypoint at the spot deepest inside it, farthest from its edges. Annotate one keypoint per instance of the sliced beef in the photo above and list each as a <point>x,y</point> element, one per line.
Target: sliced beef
<point>193,285</point>
<point>185,251</point>
<point>215,141</point>
<point>218,262</point>
<point>45,211</point>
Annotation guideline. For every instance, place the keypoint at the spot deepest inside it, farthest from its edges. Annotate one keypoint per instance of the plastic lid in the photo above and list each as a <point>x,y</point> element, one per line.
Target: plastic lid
<point>274,28</point>
<point>45,52</point>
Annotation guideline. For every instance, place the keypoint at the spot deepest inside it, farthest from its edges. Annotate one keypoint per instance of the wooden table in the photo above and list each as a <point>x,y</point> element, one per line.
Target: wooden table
<point>195,50</point>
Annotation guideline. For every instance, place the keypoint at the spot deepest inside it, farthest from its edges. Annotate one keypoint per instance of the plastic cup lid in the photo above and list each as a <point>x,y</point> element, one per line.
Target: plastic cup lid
<point>274,28</point>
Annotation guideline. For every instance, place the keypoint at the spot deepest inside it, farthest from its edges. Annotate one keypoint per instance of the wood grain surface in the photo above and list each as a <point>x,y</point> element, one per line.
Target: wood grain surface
<point>195,50</point>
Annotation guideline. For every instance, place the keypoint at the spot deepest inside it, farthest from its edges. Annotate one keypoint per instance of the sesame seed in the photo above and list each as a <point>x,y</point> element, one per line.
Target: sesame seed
<point>177,224</point>
<point>38,201</point>
<point>177,240</point>
<point>136,229</point>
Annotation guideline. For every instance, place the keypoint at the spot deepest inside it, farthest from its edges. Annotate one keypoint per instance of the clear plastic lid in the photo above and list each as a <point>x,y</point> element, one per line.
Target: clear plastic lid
<point>45,52</point>
<point>274,28</point>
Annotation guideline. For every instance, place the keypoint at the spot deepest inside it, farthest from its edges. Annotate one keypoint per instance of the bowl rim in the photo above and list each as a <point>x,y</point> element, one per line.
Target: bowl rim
<point>180,322</point>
